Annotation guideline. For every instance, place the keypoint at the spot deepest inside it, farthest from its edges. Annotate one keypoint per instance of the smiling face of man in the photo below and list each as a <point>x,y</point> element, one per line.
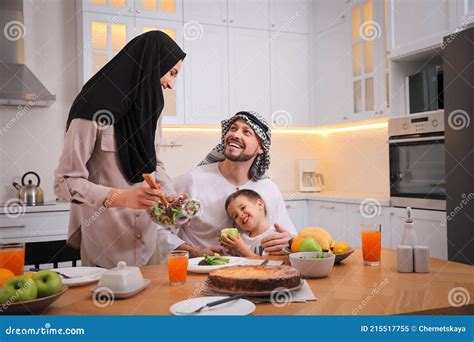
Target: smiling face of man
<point>241,142</point>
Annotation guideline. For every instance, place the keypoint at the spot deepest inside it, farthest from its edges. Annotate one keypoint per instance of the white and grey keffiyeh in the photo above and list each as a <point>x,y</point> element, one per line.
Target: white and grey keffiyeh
<point>261,129</point>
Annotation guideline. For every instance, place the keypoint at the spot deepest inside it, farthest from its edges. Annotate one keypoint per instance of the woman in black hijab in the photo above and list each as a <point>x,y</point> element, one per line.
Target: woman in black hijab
<point>113,134</point>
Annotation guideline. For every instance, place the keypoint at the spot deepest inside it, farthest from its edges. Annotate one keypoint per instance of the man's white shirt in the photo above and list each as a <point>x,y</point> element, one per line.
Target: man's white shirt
<point>207,184</point>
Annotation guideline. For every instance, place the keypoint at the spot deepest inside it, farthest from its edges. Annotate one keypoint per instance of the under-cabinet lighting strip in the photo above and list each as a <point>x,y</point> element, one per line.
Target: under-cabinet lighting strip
<point>321,131</point>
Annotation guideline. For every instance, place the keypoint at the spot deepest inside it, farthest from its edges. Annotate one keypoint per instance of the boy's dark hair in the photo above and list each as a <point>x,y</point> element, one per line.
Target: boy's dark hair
<point>249,194</point>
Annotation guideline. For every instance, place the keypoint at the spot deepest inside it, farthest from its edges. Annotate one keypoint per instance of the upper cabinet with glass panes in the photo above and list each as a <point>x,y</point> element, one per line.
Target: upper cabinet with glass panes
<point>155,9</point>
<point>370,72</point>
<point>103,37</point>
<point>108,25</point>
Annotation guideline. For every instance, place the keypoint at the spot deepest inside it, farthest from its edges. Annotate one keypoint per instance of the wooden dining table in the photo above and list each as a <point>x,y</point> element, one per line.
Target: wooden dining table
<point>350,289</point>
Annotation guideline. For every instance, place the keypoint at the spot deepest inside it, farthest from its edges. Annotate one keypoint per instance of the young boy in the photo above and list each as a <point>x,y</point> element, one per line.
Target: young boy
<point>247,209</point>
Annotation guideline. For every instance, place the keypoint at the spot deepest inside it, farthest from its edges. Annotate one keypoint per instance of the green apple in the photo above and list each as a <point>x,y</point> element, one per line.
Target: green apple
<point>309,245</point>
<point>48,283</point>
<point>22,288</point>
<point>234,232</point>
<point>5,295</point>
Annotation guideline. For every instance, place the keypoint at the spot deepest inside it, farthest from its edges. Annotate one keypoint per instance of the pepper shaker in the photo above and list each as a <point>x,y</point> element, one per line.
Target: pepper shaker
<point>421,259</point>
<point>405,259</point>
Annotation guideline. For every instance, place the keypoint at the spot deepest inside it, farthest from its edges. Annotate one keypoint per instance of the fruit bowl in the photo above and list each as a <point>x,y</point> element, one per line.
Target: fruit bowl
<point>313,264</point>
<point>31,307</point>
<point>340,257</point>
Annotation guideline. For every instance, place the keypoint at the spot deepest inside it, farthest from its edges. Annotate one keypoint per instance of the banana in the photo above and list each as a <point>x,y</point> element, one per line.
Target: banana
<point>321,235</point>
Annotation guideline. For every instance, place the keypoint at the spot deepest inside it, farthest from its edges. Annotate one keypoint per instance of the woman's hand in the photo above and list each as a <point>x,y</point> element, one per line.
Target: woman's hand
<point>274,243</point>
<point>141,197</point>
<point>237,244</point>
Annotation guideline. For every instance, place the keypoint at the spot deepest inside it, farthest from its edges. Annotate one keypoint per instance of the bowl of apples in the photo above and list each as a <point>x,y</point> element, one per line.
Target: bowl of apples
<point>31,293</point>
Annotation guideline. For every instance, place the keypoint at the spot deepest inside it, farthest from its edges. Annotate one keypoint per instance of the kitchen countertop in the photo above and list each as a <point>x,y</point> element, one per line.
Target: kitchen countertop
<point>48,206</point>
<point>350,289</point>
<point>338,196</point>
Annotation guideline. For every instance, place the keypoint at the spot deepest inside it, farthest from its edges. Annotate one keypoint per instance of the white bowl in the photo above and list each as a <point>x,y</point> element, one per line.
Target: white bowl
<point>312,268</point>
<point>123,278</point>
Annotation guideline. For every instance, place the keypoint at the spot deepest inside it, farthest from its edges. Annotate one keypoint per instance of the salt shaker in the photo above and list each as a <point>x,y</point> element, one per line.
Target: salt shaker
<point>421,259</point>
<point>405,258</point>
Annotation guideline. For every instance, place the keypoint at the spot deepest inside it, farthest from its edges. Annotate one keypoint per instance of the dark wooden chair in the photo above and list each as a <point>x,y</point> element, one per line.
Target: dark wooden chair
<point>50,252</point>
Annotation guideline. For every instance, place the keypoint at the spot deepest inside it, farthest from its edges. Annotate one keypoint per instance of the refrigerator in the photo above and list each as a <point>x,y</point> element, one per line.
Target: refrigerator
<point>458,66</point>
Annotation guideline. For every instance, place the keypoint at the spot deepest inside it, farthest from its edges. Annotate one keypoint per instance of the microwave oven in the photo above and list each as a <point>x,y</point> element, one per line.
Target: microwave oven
<point>425,90</point>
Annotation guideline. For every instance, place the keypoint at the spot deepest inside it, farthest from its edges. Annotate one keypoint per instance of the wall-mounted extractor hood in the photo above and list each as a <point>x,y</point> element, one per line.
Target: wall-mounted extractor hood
<point>18,84</point>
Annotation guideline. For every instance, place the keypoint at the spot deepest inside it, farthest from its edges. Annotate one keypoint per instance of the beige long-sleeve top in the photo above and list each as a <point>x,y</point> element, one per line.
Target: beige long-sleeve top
<point>88,168</point>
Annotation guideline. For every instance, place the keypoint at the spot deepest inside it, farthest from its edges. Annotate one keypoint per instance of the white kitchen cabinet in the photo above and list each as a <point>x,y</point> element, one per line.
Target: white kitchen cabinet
<point>329,13</point>
<point>104,35</point>
<point>465,13</point>
<point>206,77</point>
<point>355,220</point>
<point>297,211</point>
<point>334,101</point>
<point>330,216</point>
<point>352,73</point>
<point>289,15</point>
<point>249,72</point>
<point>248,14</point>
<point>34,227</point>
<point>290,81</point>
<point>159,9</point>
<point>123,7</point>
<point>419,25</point>
<point>206,11</point>
<point>370,67</point>
<point>156,9</point>
<point>429,228</point>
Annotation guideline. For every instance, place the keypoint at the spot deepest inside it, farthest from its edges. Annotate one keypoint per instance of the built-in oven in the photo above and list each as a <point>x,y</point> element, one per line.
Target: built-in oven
<point>417,161</point>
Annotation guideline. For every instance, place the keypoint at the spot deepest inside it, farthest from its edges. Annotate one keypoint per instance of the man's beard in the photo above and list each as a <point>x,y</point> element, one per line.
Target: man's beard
<point>241,157</point>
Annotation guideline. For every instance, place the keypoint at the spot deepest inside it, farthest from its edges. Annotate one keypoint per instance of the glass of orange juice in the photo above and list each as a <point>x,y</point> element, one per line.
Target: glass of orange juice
<point>371,244</point>
<point>177,262</point>
<point>12,257</point>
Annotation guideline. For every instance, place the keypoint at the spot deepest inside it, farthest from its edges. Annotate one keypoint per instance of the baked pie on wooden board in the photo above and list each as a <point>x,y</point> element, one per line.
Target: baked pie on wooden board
<point>253,280</point>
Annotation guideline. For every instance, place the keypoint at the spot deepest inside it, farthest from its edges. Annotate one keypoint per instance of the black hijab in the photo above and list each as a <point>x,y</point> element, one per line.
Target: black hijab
<point>127,93</point>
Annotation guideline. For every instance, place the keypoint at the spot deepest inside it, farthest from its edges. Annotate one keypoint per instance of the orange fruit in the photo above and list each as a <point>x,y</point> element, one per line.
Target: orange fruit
<point>29,275</point>
<point>341,248</point>
<point>5,274</point>
<point>296,243</point>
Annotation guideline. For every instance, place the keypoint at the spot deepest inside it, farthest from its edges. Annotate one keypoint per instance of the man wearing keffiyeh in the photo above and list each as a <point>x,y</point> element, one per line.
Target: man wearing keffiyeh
<point>239,161</point>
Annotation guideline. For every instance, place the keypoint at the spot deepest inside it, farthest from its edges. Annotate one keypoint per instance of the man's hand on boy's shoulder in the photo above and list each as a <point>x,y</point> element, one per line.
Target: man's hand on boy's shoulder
<point>276,242</point>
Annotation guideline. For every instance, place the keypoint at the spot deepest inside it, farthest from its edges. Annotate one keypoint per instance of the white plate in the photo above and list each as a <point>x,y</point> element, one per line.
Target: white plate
<point>119,295</point>
<point>81,275</point>
<point>195,268</point>
<point>239,307</point>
